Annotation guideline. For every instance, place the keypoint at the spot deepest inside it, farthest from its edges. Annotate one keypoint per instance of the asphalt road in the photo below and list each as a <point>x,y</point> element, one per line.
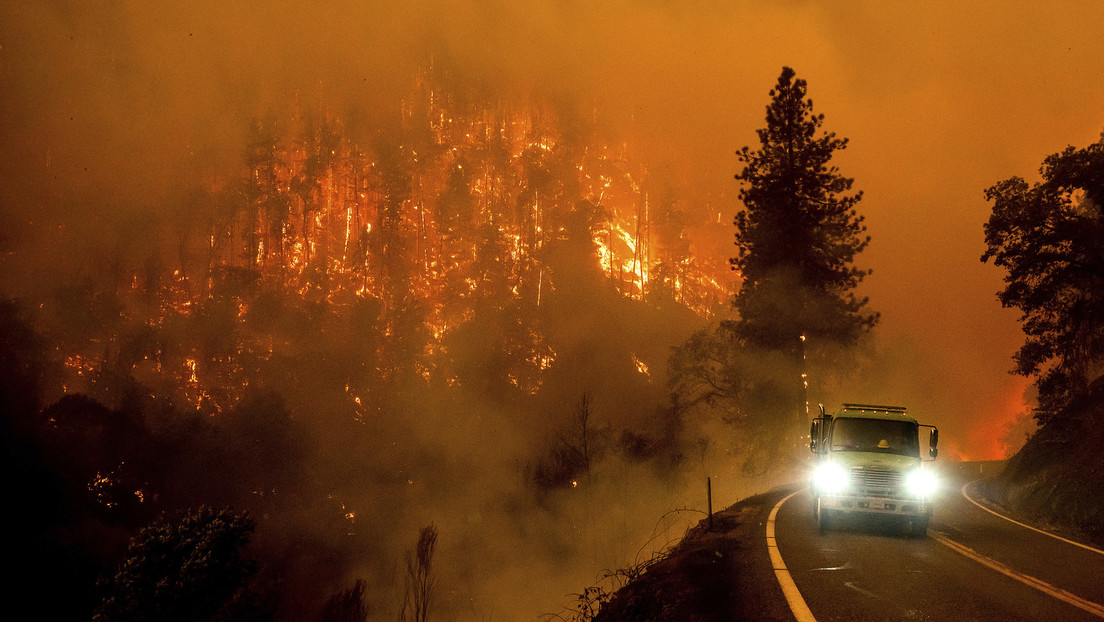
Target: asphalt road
<point>973,565</point>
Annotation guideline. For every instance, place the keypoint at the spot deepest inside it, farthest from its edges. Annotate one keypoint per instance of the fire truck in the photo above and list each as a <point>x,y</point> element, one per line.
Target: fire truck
<point>868,461</point>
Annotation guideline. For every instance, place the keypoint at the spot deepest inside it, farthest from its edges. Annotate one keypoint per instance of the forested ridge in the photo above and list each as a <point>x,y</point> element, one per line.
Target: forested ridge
<point>455,316</point>
<point>415,223</point>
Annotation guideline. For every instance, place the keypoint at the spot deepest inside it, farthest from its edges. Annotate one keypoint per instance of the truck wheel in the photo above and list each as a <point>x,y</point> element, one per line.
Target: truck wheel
<point>920,527</point>
<point>823,517</point>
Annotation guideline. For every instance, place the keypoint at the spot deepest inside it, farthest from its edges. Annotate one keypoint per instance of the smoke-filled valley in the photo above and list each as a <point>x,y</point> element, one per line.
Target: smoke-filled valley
<point>431,302</point>
<point>457,314</point>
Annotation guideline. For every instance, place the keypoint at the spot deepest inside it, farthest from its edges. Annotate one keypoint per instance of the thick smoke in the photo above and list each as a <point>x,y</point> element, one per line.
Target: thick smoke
<point>111,113</point>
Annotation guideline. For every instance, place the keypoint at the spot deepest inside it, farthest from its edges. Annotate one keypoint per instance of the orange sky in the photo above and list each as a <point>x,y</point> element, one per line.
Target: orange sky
<point>939,100</point>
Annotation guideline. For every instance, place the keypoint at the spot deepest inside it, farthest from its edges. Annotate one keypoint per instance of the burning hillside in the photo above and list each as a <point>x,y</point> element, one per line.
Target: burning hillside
<point>467,203</point>
<point>367,324</point>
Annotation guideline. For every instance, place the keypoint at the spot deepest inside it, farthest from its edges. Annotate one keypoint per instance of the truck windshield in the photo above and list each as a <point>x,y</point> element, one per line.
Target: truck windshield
<point>876,435</point>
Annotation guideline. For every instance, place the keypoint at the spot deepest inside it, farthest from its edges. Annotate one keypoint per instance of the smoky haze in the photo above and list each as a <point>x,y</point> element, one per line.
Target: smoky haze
<point>110,111</point>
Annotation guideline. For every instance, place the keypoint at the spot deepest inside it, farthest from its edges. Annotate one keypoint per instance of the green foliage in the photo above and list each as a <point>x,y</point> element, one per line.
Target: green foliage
<point>1048,235</point>
<point>187,569</point>
<point>799,232</point>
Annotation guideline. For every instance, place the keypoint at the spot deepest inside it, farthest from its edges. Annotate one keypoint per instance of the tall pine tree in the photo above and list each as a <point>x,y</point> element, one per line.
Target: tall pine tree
<point>797,238</point>
<point>799,232</point>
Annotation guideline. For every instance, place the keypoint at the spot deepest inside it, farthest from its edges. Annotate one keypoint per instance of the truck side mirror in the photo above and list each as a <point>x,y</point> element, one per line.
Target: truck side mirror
<point>933,443</point>
<point>814,435</point>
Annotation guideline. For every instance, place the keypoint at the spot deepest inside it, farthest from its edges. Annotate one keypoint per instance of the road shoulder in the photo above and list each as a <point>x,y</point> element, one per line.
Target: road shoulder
<point>712,575</point>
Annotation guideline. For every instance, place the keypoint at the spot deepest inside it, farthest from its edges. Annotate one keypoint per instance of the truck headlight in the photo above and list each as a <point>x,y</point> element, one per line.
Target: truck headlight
<point>830,478</point>
<point>921,483</point>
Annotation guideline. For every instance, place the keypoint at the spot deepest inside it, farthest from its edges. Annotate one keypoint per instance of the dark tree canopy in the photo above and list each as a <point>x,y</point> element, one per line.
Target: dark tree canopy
<point>797,238</point>
<point>799,232</point>
<point>184,570</point>
<point>1049,236</point>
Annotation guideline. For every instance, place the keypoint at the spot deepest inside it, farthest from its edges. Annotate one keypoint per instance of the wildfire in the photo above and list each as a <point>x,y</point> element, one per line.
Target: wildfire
<point>463,209</point>
<point>99,486</point>
<point>347,513</point>
<point>81,364</point>
<point>621,255</point>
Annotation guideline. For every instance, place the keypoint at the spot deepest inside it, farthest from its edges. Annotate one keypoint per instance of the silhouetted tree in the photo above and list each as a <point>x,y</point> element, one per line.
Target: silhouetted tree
<point>37,494</point>
<point>387,244</point>
<point>322,139</point>
<point>572,257</point>
<point>538,191</point>
<point>420,579</point>
<point>673,245</point>
<point>799,232</point>
<point>23,362</point>
<point>797,238</point>
<point>492,265</point>
<point>575,448</point>
<point>101,454</point>
<point>1048,236</point>
<point>347,606</point>
<point>454,212</point>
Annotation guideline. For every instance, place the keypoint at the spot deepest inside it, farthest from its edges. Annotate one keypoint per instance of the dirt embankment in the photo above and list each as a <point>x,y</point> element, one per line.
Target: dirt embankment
<point>1057,479</point>
<point>715,574</point>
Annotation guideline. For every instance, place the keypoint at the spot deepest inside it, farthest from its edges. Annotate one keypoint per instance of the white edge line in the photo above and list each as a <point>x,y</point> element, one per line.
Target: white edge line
<point>785,581</point>
<point>1046,533</point>
<point>1042,586</point>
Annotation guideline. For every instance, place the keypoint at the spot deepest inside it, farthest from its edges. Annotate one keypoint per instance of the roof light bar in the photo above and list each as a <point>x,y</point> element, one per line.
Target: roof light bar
<point>894,409</point>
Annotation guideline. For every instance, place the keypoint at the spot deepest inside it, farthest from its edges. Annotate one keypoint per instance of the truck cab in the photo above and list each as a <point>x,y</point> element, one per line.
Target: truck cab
<point>868,461</point>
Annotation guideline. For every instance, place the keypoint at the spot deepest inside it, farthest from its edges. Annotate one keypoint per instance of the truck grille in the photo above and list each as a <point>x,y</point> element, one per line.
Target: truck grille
<point>875,480</point>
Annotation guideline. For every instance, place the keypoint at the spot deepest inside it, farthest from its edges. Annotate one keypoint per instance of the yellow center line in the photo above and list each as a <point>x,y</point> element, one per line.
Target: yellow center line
<point>1038,584</point>
<point>785,581</point>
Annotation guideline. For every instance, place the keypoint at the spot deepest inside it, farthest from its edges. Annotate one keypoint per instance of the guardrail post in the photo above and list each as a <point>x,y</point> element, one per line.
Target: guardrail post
<point>709,500</point>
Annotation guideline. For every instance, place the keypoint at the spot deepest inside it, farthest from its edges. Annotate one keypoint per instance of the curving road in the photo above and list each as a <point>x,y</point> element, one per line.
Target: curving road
<point>974,565</point>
